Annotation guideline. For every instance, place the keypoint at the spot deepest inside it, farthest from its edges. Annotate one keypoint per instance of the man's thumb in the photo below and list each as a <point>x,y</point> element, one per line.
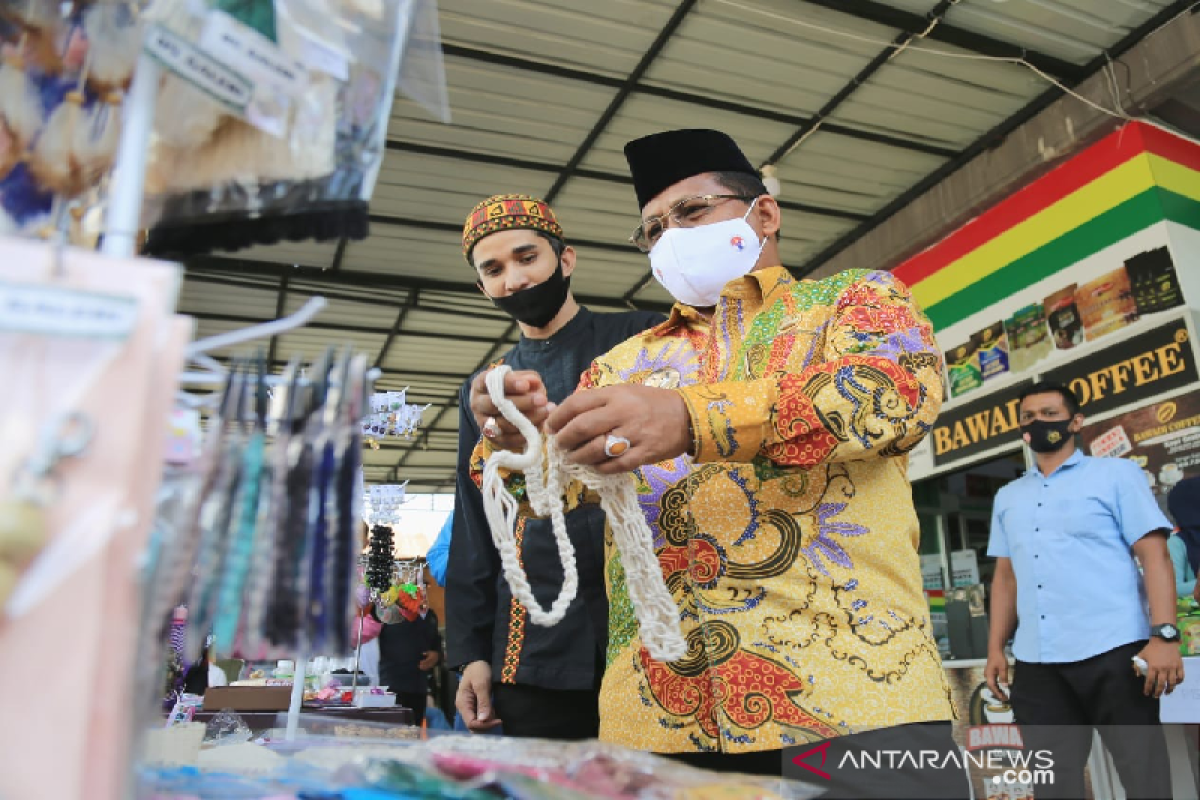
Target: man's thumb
<point>483,705</point>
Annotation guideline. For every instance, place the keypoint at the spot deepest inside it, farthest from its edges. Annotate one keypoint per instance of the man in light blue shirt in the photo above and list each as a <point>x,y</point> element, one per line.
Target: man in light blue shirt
<point>1065,536</point>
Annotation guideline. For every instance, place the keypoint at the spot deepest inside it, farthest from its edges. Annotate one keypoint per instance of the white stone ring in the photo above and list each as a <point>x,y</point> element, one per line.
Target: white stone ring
<point>615,445</point>
<point>490,429</point>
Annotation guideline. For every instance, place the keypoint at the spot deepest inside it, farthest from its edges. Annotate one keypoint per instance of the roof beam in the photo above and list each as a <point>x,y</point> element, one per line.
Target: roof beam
<point>243,319</point>
<point>882,57</point>
<point>631,82</point>
<point>704,101</point>
<point>369,280</point>
<point>918,224</point>
<point>456,229</point>
<point>296,290</point>
<point>339,254</point>
<point>413,298</point>
<point>280,306</point>
<point>539,166</point>
<point>916,25</point>
<point>496,160</point>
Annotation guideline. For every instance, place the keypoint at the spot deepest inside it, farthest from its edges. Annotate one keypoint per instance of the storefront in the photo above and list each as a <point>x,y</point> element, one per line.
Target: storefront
<point>1089,276</point>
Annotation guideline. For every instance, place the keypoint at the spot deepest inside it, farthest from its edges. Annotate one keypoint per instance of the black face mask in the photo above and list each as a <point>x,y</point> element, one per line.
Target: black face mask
<point>538,304</point>
<point>1048,437</point>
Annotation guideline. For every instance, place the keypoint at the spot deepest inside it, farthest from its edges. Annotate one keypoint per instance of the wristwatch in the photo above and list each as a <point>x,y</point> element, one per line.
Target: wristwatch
<point>1167,632</point>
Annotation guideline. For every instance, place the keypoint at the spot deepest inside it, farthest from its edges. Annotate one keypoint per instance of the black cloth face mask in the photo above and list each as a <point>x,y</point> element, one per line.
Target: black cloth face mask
<point>539,304</point>
<point>1048,437</point>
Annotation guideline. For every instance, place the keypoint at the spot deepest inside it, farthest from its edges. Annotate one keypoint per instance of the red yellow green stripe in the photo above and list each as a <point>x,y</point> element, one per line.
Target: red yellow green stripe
<point>1135,177</point>
<point>1080,171</point>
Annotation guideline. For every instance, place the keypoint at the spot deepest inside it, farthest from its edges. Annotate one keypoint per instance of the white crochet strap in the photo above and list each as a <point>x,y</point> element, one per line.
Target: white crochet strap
<point>501,510</point>
<point>653,605</point>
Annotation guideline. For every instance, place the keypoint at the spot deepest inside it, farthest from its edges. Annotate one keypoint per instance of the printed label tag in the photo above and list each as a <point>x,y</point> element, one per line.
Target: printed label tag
<point>190,63</point>
<point>65,312</point>
<point>252,54</point>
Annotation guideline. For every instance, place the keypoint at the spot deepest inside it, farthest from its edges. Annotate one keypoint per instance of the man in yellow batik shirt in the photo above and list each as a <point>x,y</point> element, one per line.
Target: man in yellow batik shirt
<point>766,424</point>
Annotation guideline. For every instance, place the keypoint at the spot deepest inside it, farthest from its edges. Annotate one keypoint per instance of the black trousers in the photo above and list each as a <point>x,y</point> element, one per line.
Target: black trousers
<point>530,712</point>
<point>416,701</point>
<point>845,763</point>
<point>1059,705</point>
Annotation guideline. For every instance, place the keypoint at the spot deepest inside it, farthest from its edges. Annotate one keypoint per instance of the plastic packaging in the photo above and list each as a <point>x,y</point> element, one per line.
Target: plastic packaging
<point>239,164</point>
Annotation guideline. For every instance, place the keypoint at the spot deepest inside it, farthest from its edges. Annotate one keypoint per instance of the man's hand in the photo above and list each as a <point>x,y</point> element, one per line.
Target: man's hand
<point>995,672</point>
<point>655,421</point>
<point>474,698</point>
<point>527,392</point>
<point>429,659</point>
<point>1164,667</point>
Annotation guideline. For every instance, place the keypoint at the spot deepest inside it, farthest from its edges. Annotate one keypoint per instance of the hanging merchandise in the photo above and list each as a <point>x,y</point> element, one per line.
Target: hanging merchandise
<point>380,559</point>
<point>272,119</point>
<point>382,504</point>
<point>91,350</point>
<point>263,547</point>
<point>391,416</point>
<point>545,472</point>
<point>404,599</point>
<point>62,82</point>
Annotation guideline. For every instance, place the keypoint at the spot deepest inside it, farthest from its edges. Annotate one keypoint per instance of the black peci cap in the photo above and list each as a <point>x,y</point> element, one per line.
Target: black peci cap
<point>663,159</point>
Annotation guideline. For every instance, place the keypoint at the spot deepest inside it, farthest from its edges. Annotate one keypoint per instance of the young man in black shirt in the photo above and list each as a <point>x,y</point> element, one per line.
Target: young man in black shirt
<point>539,682</point>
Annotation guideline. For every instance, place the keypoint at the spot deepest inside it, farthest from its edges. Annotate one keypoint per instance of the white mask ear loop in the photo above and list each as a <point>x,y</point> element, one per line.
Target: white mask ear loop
<point>763,242</point>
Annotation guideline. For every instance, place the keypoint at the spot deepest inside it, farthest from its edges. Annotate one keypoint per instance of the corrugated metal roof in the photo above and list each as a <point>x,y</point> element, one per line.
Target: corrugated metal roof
<point>543,98</point>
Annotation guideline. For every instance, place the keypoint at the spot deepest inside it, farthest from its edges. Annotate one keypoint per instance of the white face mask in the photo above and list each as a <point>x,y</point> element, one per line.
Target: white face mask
<point>694,264</point>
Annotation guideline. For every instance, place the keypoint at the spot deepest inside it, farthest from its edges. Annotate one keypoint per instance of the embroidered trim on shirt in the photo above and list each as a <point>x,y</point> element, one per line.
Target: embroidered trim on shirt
<point>516,618</point>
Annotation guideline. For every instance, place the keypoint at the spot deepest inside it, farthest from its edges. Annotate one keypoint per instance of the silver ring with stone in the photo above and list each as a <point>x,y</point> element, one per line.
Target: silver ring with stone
<point>615,445</point>
<point>490,429</point>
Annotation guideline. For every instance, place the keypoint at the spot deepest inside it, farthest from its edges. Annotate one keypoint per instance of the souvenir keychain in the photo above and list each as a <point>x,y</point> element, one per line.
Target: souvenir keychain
<point>345,527</point>
<point>179,552</point>
<point>244,526</point>
<point>271,518</point>
<point>215,520</point>
<point>283,606</point>
<point>325,456</point>
<point>288,618</point>
<point>24,528</point>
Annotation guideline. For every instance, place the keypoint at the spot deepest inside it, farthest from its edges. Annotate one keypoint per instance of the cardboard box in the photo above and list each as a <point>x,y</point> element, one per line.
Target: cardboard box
<point>1182,705</point>
<point>248,698</point>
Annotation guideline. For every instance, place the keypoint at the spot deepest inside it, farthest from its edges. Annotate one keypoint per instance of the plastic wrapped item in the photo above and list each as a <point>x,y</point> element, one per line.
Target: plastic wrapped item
<point>260,158</point>
<point>370,759</point>
<point>227,727</point>
<point>63,72</point>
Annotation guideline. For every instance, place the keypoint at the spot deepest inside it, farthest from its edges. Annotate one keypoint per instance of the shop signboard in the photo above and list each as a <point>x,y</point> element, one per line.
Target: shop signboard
<point>1162,438</point>
<point>1160,360</point>
<point>978,426</point>
<point>1072,314</point>
<point>1153,363</point>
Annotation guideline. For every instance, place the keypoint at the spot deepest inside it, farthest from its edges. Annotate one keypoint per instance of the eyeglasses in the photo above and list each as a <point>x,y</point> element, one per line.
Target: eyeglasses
<point>689,212</point>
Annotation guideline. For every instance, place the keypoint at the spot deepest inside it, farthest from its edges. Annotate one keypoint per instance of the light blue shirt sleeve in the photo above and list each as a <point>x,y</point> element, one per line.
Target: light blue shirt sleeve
<point>998,540</point>
<point>1137,511</point>
<point>1185,579</point>
<point>439,552</point>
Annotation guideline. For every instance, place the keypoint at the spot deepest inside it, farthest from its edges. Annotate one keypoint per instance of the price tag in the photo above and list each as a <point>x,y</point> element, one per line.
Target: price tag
<point>252,54</point>
<point>193,65</point>
<point>50,311</point>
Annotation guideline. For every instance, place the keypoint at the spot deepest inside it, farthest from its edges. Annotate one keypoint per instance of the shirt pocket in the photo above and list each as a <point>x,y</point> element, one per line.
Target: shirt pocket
<point>1087,520</point>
